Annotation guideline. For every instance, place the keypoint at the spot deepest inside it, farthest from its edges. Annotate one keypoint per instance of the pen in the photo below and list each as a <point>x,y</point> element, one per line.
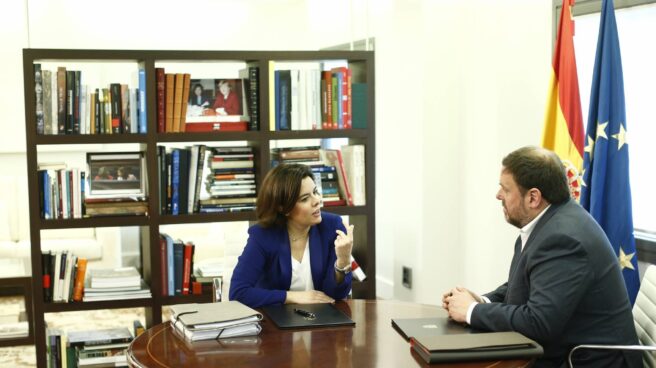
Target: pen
<point>305,313</point>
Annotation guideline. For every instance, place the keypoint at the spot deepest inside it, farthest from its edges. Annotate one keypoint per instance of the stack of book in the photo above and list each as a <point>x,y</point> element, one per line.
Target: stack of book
<point>231,186</point>
<point>115,284</point>
<point>65,105</point>
<point>63,276</point>
<point>198,322</point>
<point>177,264</point>
<point>99,348</point>
<point>61,191</point>
<point>325,174</point>
<point>13,323</point>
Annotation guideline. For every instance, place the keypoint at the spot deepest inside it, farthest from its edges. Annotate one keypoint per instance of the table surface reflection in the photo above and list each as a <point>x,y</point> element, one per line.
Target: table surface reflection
<point>373,342</point>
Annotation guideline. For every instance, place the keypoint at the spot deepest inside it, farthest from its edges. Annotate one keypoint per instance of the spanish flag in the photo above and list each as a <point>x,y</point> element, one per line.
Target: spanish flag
<point>563,124</point>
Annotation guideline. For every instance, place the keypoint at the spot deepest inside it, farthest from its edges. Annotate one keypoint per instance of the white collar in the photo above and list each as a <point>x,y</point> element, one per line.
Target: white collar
<point>525,231</point>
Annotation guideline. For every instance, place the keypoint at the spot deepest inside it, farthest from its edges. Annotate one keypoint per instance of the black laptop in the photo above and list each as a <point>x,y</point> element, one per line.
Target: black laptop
<point>306,316</point>
<point>434,326</point>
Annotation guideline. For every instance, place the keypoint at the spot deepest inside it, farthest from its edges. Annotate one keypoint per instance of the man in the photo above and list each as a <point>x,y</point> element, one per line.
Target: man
<point>564,286</point>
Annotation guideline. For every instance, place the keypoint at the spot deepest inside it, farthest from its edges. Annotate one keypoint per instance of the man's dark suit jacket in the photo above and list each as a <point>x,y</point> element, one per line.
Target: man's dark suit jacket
<point>565,288</point>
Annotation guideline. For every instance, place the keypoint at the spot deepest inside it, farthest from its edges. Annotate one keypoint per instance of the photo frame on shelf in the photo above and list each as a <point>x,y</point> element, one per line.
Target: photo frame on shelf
<point>116,174</point>
<point>217,100</point>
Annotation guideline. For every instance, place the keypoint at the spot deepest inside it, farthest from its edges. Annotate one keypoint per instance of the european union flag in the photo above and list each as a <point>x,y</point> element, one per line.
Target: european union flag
<point>606,192</point>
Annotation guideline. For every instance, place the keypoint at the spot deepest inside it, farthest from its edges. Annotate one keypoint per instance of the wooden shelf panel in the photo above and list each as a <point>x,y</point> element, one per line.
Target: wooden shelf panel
<point>206,217</point>
<point>105,304</point>
<point>208,137</point>
<point>29,340</point>
<point>90,139</point>
<point>182,299</point>
<point>346,210</point>
<point>317,134</point>
<point>107,221</point>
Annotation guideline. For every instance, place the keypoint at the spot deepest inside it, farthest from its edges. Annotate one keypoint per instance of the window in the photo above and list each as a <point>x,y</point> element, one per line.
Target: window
<point>636,23</point>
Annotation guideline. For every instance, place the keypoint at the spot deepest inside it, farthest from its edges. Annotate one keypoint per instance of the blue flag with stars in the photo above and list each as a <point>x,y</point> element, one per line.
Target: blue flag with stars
<point>606,192</point>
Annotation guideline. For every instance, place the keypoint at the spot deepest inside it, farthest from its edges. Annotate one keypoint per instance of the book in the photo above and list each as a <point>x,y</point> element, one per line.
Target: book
<point>141,98</point>
<point>161,99</point>
<point>169,98</point>
<point>61,100</point>
<point>114,277</point>
<point>354,166</point>
<point>334,158</point>
<point>38,98</point>
<point>99,337</point>
<point>475,346</point>
<point>185,96</point>
<point>359,103</point>
<point>79,279</point>
<point>177,102</point>
<point>138,328</point>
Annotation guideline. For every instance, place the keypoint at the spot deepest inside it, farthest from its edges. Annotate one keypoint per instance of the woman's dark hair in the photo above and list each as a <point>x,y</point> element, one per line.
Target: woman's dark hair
<point>535,167</point>
<point>279,193</point>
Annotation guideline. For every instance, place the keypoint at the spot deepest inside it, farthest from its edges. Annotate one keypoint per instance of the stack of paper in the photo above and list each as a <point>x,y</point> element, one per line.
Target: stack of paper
<point>215,320</point>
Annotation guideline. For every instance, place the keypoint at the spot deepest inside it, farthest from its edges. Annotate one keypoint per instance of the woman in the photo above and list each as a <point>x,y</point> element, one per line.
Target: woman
<point>198,98</point>
<point>226,102</point>
<point>296,253</point>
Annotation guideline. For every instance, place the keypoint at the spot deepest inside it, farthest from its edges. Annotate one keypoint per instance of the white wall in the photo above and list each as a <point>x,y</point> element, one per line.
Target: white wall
<point>459,85</point>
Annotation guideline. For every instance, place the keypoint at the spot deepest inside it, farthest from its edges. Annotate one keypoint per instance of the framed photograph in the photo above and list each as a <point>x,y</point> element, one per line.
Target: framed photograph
<point>116,174</point>
<point>216,100</point>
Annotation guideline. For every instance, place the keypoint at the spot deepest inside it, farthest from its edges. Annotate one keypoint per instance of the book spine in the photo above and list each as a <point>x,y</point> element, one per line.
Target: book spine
<point>142,101</point>
<point>76,101</point>
<point>177,101</point>
<point>163,265</point>
<point>107,112</point>
<point>328,103</point>
<point>45,275</point>
<point>84,110</point>
<point>348,116</point>
<point>53,103</point>
<point>163,178</point>
<point>79,279</point>
<point>70,94</point>
<point>175,182</point>
<point>170,273</point>
<point>254,97</point>
<point>183,182</point>
<point>97,102</point>
<point>185,98</point>
<point>115,93</point>
<point>126,124</point>
<point>200,181</point>
<point>285,99</point>
<point>38,89</point>
<point>133,107</point>
<point>61,100</point>
<point>192,173</point>
<point>186,269</point>
<point>170,91</point>
<point>178,254</point>
<point>276,107</point>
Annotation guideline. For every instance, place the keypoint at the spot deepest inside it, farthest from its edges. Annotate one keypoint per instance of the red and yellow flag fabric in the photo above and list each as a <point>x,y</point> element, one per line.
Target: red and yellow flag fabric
<point>563,124</point>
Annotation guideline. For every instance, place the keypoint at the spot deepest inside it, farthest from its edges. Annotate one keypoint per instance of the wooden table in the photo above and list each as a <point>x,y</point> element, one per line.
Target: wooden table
<point>373,342</point>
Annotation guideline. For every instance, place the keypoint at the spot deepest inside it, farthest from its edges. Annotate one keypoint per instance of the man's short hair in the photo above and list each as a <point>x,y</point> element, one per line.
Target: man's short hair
<point>536,167</point>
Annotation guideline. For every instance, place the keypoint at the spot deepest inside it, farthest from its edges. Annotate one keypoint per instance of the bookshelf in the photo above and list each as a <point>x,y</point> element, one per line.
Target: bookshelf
<point>261,140</point>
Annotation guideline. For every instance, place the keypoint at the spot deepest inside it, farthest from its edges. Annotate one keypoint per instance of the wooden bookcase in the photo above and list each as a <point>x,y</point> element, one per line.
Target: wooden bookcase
<point>361,216</point>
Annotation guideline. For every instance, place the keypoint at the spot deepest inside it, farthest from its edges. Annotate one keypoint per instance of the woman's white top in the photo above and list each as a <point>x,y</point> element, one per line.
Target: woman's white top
<point>302,272</point>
